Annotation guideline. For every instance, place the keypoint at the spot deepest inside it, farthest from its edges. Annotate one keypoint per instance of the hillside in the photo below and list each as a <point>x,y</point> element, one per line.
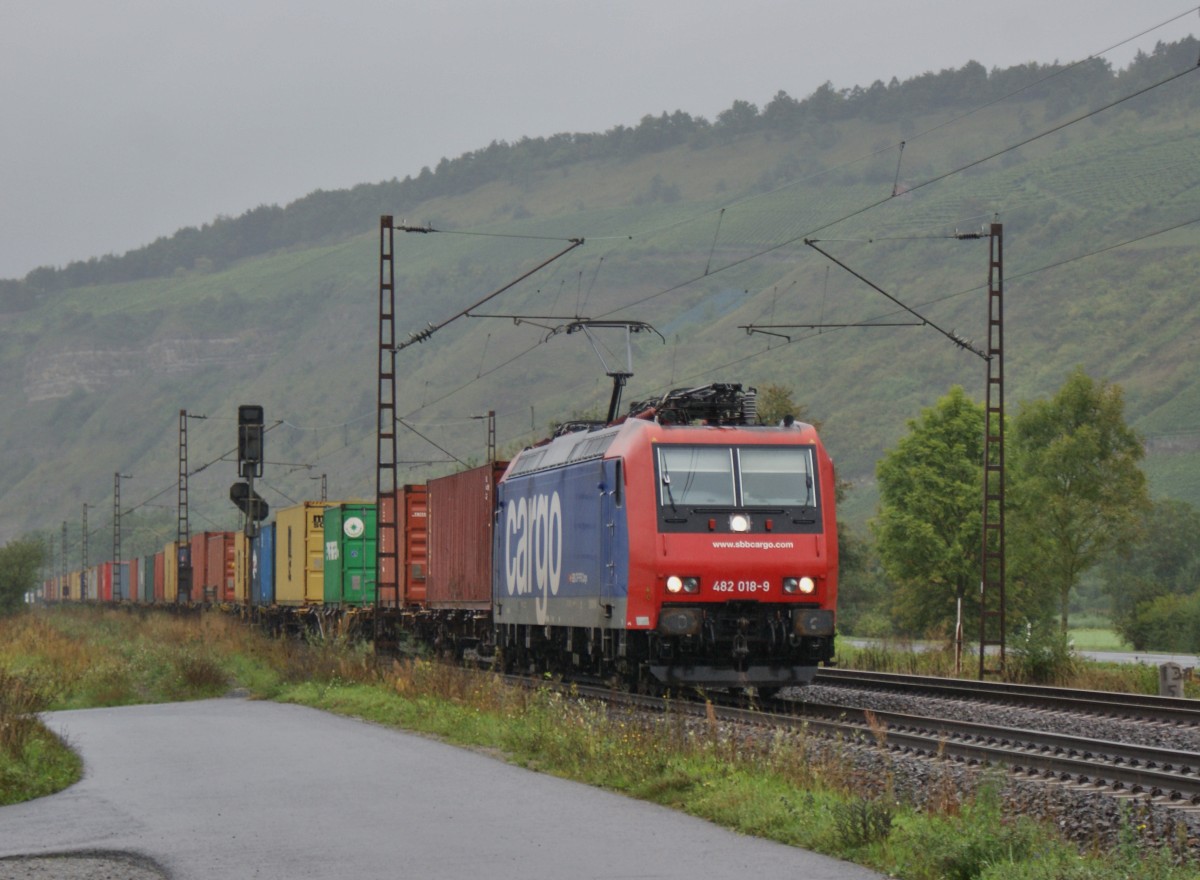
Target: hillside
<point>696,228</point>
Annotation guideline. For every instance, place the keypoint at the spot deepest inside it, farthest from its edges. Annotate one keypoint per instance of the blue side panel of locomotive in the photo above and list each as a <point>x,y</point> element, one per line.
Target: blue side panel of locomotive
<point>562,547</point>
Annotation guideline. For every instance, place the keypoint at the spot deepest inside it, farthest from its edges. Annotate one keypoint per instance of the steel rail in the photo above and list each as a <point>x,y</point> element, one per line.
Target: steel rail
<point>1121,768</point>
<point>1179,710</point>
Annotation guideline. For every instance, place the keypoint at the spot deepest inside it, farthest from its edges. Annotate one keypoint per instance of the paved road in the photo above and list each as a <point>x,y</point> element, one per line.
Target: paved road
<point>238,789</point>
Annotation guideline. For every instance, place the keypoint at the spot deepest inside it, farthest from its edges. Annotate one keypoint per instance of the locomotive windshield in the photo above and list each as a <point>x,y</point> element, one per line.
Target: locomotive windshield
<point>696,482</point>
<point>717,476</point>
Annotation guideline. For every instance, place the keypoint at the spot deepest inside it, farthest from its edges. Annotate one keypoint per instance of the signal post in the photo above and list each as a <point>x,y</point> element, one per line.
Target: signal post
<point>250,465</point>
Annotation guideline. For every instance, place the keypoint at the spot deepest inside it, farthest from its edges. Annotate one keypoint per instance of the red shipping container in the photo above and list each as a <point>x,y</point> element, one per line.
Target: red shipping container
<point>198,547</point>
<point>103,588</point>
<point>220,567</point>
<point>460,517</point>
<point>415,555</point>
<point>388,593</point>
<point>130,583</point>
<point>409,532</point>
<point>213,567</point>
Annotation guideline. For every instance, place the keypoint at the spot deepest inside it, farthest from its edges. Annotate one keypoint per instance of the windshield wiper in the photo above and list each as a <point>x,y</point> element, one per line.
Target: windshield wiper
<point>666,479</point>
<point>809,502</point>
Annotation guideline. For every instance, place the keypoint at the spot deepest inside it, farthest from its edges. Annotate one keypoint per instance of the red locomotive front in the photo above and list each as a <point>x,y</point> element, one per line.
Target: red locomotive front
<point>733,552</point>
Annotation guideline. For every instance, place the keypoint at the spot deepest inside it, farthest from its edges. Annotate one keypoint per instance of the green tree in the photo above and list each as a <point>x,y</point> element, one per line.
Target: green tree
<point>20,570</point>
<point>738,119</point>
<point>928,530</point>
<point>775,402</point>
<point>863,589</point>
<point>1076,491</point>
<point>1163,560</point>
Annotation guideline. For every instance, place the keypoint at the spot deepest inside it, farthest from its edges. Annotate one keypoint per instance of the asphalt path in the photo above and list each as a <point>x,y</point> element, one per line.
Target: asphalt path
<point>233,788</point>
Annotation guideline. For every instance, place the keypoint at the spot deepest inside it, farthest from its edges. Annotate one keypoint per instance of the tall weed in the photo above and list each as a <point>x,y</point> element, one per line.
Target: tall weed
<point>20,702</point>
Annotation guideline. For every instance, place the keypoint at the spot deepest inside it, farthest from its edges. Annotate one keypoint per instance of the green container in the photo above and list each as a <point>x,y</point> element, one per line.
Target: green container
<point>350,555</point>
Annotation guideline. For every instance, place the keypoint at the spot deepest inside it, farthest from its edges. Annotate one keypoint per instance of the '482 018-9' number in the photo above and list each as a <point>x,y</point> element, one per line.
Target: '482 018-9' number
<point>731,586</point>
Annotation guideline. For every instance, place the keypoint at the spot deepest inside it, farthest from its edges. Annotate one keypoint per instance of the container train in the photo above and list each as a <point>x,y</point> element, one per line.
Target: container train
<point>683,545</point>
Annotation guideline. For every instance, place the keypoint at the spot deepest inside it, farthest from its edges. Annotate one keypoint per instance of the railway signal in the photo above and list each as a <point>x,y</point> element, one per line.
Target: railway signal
<point>249,502</point>
<point>250,440</point>
<point>250,465</point>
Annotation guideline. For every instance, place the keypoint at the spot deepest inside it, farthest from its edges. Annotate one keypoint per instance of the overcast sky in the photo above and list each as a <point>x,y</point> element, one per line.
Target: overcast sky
<point>124,120</point>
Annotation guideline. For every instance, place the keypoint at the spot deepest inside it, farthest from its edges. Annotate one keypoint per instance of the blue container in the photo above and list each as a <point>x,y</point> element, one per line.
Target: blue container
<point>262,566</point>
<point>123,591</point>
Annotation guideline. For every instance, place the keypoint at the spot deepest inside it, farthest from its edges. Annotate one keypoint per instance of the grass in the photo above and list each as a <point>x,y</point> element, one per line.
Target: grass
<point>799,790</point>
<point>1097,639</point>
<point>1069,669</point>
<point>75,658</point>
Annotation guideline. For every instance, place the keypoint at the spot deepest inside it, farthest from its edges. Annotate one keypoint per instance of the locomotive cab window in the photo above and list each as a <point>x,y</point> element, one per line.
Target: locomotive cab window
<point>777,476</point>
<point>691,475</point>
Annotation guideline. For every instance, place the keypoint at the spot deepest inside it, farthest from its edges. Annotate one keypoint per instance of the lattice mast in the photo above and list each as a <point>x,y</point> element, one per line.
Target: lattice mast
<point>116,553</point>
<point>183,538</point>
<point>387,556</point>
<point>992,577</point>
<point>83,558</point>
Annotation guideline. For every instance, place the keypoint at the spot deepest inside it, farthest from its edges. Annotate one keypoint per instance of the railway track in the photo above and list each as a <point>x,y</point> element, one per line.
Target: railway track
<point>1122,768</point>
<point>1138,707</point>
<point>1165,776</point>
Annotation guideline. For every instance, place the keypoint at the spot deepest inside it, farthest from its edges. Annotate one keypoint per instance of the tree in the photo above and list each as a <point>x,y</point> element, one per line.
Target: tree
<point>740,118</point>
<point>775,402</point>
<point>1076,488</point>
<point>1169,622</point>
<point>20,570</point>
<point>928,530</point>
<point>1163,560</point>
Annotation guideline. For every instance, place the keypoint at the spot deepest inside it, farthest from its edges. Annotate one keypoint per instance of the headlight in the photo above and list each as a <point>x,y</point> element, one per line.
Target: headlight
<point>739,522</point>
<point>805,585</point>
<point>677,584</point>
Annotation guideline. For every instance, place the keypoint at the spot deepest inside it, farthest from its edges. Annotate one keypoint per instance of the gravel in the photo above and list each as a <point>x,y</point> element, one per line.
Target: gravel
<point>81,866</point>
<point>1085,814</point>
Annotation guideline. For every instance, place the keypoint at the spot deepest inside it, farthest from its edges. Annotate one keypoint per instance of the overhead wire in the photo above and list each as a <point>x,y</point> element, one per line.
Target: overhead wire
<point>763,252</point>
<point>1009,278</point>
<point>873,205</point>
<point>795,239</point>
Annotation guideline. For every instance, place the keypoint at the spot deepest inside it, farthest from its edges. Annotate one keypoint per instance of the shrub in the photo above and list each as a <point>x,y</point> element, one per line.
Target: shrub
<point>1041,654</point>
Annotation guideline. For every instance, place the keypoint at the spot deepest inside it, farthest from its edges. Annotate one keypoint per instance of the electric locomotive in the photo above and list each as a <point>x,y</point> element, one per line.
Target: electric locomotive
<point>684,546</point>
